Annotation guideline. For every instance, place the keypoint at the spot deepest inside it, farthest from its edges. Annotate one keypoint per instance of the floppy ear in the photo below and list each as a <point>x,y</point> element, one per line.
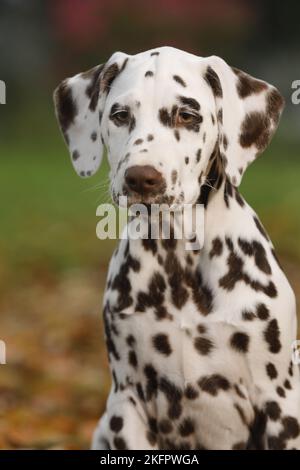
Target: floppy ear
<point>79,103</point>
<point>248,112</point>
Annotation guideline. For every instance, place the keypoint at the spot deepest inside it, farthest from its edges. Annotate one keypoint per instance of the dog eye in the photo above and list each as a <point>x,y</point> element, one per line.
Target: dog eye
<point>184,117</point>
<point>122,116</point>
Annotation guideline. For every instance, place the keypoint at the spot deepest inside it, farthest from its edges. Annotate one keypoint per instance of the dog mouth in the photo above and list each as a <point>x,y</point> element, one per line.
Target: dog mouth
<point>129,199</point>
<point>149,200</point>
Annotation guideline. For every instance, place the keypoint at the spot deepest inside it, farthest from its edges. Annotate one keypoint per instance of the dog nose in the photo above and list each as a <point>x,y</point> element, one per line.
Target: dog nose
<point>144,179</point>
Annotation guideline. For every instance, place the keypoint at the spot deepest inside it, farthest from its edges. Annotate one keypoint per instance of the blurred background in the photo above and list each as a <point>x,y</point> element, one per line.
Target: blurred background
<point>52,267</point>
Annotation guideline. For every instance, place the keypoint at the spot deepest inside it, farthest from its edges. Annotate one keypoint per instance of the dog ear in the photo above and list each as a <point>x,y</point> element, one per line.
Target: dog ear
<point>248,112</point>
<point>79,103</point>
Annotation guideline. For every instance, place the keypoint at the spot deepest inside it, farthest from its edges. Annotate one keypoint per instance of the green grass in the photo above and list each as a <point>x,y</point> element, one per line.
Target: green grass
<point>48,214</point>
<point>271,187</point>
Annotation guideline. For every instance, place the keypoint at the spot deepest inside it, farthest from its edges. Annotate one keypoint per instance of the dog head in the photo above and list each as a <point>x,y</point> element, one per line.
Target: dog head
<point>162,115</point>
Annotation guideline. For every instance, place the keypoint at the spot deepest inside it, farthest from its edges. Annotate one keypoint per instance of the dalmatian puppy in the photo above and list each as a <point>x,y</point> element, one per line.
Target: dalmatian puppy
<point>199,342</point>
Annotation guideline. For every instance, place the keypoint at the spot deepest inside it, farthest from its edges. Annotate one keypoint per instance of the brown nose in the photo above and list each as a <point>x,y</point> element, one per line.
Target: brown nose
<point>144,179</point>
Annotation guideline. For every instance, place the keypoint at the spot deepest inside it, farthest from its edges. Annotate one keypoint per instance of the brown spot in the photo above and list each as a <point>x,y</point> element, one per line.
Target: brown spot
<point>130,340</point>
<point>161,344</point>
<point>151,381</point>
<point>280,391</point>
<point>186,427</point>
<point>165,426</point>
<point>124,64</point>
<point>240,342</point>
<point>236,274</point>
<point>260,228</point>
<point>140,392</point>
<point>239,198</point>
<point>179,80</point>
<point>255,129</point>
<point>151,437</point>
<point>92,91</point>
<point>287,384</point>
<point>149,73</point>
<point>225,142</point>
<point>247,85</point>
<point>213,80</point>
<point>108,77</point>
<point>260,257</point>
<point>275,104</point>
<point>203,345</point>
<point>217,247</point>
<point>191,393</point>
<point>276,258</point>
<point>241,413</point>
<point>173,395</point>
<point>175,273</point>
<point>257,250</point>
<point>94,136</point>
<point>198,155</point>
<point>271,371</point>
<point>116,423</point>
<point>65,106</point>
<point>276,443</point>
<point>248,315</point>
<point>174,176</point>
<point>291,427</point>
<point>271,335</point>
<point>213,383</point>
<point>75,155</point>
<point>165,117</point>
<point>262,312</point>
<point>220,116</point>
<point>273,410</point>
<point>201,293</point>
<point>132,359</point>
<point>120,443</point>
<point>189,102</point>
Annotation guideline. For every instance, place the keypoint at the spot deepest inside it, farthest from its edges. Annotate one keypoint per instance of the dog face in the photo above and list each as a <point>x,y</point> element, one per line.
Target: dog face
<point>160,129</point>
<point>163,116</point>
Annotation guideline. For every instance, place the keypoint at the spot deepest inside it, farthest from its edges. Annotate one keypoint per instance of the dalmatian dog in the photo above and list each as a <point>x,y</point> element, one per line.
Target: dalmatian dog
<point>199,342</point>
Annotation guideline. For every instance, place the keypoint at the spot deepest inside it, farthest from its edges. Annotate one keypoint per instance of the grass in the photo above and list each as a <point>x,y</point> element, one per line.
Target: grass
<point>47,212</point>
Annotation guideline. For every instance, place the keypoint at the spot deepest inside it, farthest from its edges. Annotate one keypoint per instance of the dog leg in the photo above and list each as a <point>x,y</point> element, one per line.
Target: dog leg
<point>283,415</point>
<point>123,426</point>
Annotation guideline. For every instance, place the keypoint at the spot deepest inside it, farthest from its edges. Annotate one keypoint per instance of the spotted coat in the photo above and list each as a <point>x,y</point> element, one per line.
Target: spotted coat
<point>199,342</point>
